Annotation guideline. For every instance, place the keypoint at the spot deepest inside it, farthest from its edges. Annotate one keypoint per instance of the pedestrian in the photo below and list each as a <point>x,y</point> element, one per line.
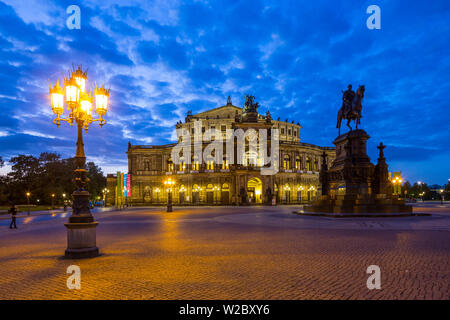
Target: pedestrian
<point>13,211</point>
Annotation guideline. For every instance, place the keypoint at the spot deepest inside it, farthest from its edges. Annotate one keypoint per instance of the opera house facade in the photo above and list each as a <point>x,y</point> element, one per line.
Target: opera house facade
<point>207,181</point>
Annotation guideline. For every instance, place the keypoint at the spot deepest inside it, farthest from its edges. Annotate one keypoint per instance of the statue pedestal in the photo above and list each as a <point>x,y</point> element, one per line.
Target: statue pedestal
<point>81,240</point>
<point>353,181</point>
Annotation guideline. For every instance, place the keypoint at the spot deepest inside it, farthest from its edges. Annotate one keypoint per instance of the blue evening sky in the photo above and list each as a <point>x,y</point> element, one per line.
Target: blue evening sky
<point>162,58</point>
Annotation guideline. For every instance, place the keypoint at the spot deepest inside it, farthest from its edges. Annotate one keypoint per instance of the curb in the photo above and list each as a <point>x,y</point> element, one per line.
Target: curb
<point>330,215</point>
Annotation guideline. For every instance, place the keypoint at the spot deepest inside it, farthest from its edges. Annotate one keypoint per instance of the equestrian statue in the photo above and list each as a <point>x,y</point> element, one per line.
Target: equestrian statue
<point>351,107</point>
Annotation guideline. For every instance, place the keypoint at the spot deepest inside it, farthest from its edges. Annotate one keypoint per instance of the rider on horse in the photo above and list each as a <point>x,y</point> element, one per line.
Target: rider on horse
<point>347,99</point>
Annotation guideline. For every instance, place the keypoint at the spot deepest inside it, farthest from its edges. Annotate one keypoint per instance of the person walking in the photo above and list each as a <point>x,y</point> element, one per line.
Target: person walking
<point>13,211</point>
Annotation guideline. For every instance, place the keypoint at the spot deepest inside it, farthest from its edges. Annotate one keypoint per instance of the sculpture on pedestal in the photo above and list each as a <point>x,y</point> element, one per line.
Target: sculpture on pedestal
<point>351,107</point>
<point>352,184</point>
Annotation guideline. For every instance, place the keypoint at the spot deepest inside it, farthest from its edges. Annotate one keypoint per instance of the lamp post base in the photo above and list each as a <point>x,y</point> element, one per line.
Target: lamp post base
<point>169,208</point>
<point>81,240</point>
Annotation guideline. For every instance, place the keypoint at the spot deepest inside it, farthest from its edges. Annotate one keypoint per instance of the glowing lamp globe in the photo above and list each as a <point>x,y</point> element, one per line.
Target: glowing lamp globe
<point>57,98</point>
<point>72,92</point>
<point>101,100</point>
<point>80,78</point>
<point>86,104</point>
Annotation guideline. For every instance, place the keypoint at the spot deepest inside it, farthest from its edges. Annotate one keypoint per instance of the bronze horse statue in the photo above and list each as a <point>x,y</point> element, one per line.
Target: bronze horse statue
<point>353,112</point>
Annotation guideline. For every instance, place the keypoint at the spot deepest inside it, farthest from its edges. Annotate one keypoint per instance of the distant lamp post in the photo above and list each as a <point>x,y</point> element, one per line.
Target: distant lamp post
<point>215,190</point>
<point>157,190</point>
<point>64,201</point>
<point>397,182</point>
<point>169,183</point>
<point>442,195</point>
<point>105,191</point>
<point>53,201</point>
<point>28,202</point>
<point>287,193</point>
<point>81,234</point>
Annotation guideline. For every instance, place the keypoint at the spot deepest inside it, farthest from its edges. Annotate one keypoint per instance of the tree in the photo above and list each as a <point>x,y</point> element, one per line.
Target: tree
<point>46,175</point>
<point>97,181</point>
<point>24,176</point>
<point>407,187</point>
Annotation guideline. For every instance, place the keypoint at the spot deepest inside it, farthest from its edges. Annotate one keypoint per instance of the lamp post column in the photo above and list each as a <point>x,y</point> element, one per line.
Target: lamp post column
<point>81,228</point>
<point>28,202</point>
<point>169,201</point>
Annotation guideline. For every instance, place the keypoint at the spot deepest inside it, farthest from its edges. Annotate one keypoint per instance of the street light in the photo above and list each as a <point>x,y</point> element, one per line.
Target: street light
<point>28,202</point>
<point>157,190</point>
<point>442,195</point>
<point>105,191</point>
<point>287,192</point>
<point>64,202</point>
<point>397,181</point>
<point>81,238</point>
<point>215,189</point>
<point>53,201</point>
<point>169,183</point>
<point>300,188</point>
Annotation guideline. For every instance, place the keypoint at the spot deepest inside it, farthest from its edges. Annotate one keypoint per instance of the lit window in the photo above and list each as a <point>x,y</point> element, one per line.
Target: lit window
<point>287,162</point>
<point>298,163</point>
<point>225,164</point>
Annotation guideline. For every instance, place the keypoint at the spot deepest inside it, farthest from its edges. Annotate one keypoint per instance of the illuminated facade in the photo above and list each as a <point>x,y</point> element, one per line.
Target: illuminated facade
<point>207,182</point>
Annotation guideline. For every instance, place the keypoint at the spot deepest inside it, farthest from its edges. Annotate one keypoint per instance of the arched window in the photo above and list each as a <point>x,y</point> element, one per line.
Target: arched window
<point>308,164</point>
<point>182,165</point>
<point>225,164</point>
<point>210,164</point>
<point>287,162</point>
<point>169,165</point>
<point>225,187</point>
<point>298,163</point>
<point>195,163</point>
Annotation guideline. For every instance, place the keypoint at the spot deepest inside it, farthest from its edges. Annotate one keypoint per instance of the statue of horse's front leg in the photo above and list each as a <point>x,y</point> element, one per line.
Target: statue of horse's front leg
<point>348,124</point>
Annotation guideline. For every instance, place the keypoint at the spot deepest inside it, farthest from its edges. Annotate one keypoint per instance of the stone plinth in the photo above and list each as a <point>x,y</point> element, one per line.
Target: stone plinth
<point>354,184</point>
<point>81,240</point>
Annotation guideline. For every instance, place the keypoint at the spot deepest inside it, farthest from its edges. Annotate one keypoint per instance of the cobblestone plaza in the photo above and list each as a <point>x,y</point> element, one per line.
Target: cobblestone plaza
<point>232,253</point>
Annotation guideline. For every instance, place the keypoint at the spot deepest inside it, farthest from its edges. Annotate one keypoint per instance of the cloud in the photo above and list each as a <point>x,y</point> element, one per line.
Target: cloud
<point>162,58</point>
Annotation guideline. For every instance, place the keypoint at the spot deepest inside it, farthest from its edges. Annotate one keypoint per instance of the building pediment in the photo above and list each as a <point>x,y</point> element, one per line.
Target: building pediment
<point>224,112</point>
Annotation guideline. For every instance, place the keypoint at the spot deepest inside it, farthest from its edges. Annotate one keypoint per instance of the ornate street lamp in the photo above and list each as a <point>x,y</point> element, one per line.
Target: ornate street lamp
<point>81,236</point>
<point>397,182</point>
<point>169,183</point>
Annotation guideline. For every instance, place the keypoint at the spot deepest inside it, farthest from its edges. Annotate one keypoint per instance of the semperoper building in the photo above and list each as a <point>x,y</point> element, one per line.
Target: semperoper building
<point>206,182</point>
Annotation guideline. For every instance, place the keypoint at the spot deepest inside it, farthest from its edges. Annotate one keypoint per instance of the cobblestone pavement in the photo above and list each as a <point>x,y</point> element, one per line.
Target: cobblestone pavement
<point>233,253</point>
